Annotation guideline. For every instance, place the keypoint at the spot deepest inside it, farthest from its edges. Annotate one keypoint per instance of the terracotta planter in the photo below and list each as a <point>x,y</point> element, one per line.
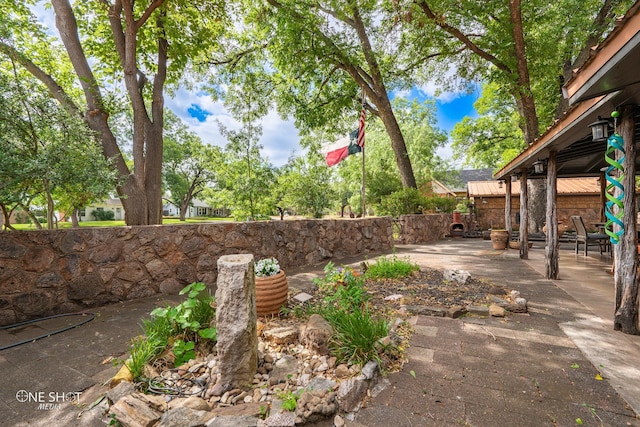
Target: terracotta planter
<point>499,239</point>
<point>271,293</point>
<point>562,227</point>
<point>516,245</point>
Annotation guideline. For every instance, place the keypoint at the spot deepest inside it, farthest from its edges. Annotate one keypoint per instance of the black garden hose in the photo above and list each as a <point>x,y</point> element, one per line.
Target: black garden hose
<point>48,334</point>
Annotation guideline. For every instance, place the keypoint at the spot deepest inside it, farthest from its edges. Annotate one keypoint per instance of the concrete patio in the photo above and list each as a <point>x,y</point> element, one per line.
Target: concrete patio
<point>533,369</point>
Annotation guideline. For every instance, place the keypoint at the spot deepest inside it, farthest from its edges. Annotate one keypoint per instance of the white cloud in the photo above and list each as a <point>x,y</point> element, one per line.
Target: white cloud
<point>279,137</point>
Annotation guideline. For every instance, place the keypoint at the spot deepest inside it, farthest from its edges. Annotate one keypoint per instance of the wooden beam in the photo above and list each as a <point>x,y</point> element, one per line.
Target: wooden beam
<point>625,253</point>
<point>552,246</point>
<point>524,216</point>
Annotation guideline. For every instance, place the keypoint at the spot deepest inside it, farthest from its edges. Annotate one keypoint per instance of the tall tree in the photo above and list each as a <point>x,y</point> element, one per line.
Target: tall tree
<point>110,44</point>
<point>48,155</point>
<point>189,164</point>
<point>521,46</point>
<point>323,55</point>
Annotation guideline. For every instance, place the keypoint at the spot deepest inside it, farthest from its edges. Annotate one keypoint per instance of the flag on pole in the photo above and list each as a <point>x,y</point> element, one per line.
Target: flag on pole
<point>353,143</point>
<point>338,151</point>
<point>360,140</point>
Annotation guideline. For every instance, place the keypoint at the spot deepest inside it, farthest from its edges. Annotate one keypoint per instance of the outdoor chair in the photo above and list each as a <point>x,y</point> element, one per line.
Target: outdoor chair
<point>593,239</point>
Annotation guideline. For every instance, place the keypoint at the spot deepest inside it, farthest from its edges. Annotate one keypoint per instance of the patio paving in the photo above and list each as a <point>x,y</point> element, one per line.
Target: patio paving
<point>530,369</point>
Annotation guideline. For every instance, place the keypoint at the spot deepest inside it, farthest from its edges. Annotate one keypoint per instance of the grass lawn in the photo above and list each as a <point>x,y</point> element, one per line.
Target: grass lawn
<point>120,223</point>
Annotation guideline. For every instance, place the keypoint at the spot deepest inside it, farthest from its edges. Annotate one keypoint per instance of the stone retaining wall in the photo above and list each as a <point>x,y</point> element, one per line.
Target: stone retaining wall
<point>61,271</point>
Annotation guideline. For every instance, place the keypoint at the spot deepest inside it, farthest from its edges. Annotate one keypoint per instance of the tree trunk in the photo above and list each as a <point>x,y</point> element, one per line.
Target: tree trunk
<point>524,216</point>
<point>397,143</point>
<point>552,242</point>
<point>74,218</point>
<point>507,210</point>
<point>50,212</point>
<point>538,205</point>
<point>626,251</point>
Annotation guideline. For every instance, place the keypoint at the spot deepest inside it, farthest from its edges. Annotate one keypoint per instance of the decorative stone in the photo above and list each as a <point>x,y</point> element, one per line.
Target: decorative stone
<point>184,417</point>
<point>521,301</point>
<point>456,312</point>
<point>316,333</point>
<point>284,368</point>
<point>281,419</point>
<point>124,388</point>
<point>342,371</point>
<point>393,297</point>
<point>233,421</point>
<point>351,392</point>
<point>192,402</point>
<point>370,370</point>
<point>496,311</point>
<point>478,310</point>
<point>134,410</point>
<point>303,297</point>
<point>283,335</point>
<point>424,310</point>
<point>459,276</point>
<point>236,321</point>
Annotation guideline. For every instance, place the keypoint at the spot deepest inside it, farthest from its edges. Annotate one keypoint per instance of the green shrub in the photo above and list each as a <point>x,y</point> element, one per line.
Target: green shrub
<point>356,334</point>
<point>142,352</point>
<point>390,268</point>
<point>184,351</point>
<point>102,215</point>
<point>402,202</point>
<point>341,288</point>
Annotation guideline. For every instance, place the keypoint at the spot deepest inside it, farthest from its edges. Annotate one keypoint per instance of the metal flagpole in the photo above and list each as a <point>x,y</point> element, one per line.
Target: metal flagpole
<point>364,204</point>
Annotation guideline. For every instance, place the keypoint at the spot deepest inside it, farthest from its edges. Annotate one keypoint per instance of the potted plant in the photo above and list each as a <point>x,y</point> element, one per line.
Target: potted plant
<point>272,288</point>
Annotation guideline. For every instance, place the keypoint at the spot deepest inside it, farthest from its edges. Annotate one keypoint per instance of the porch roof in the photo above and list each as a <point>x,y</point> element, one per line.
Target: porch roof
<point>607,80</point>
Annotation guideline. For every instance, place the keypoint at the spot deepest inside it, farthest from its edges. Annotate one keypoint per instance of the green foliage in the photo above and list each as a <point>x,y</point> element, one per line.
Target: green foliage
<point>191,316</point>
<point>356,334</point>
<point>390,268</point>
<point>184,351</point>
<point>402,202</point>
<point>341,288</point>
<point>102,215</point>
<point>289,400</point>
<point>142,352</point>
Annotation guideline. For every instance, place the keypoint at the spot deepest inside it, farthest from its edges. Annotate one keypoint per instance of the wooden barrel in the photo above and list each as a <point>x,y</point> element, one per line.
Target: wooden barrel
<point>499,239</point>
<point>271,293</point>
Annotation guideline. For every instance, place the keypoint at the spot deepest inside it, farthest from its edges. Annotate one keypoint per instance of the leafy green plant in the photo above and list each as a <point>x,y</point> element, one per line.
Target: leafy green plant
<point>289,400</point>
<point>184,351</point>
<point>356,334</point>
<point>341,288</point>
<point>191,315</point>
<point>142,351</point>
<point>390,268</point>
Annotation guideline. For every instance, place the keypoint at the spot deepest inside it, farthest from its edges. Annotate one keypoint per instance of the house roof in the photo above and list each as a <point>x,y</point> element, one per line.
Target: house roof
<point>607,80</point>
<point>566,186</point>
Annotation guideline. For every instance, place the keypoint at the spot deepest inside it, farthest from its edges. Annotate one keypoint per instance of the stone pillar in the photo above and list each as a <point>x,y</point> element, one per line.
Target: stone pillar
<point>236,321</point>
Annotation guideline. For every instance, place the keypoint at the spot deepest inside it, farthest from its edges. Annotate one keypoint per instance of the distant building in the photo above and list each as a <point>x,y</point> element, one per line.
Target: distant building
<point>112,204</point>
<point>198,208</point>
<point>576,196</point>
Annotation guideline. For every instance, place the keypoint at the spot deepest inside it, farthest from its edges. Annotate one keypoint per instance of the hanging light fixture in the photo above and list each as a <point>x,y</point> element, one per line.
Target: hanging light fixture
<point>538,167</point>
<point>599,130</point>
<point>500,182</point>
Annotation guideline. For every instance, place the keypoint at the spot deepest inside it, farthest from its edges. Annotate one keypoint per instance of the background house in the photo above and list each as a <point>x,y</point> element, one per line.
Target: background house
<point>112,204</point>
<point>198,208</point>
<point>576,196</point>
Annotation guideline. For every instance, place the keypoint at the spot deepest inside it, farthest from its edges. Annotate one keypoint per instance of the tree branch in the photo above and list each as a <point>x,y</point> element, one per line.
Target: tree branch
<point>440,22</point>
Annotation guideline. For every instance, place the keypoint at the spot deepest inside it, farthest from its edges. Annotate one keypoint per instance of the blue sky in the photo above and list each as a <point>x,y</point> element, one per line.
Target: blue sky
<point>280,138</point>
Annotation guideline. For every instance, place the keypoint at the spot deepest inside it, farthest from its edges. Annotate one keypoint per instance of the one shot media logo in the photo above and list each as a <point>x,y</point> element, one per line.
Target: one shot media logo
<point>48,400</point>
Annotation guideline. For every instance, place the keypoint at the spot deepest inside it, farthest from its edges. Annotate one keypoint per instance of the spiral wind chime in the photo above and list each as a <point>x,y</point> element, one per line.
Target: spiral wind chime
<point>614,176</point>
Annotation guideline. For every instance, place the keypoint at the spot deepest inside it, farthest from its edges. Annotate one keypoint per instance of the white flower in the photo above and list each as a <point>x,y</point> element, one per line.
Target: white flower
<point>267,267</point>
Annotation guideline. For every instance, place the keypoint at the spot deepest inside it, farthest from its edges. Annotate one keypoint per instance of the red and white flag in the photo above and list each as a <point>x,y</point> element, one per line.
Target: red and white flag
<point>336,152</point>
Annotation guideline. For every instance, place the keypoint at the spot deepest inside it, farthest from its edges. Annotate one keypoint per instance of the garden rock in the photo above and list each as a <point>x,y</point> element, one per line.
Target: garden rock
<point>478,310</point>
<point>236,320</point>
<point>283,335</point>
<point>123,389</point>
<point>496,311</point>
<point>458,276</point>
<point>281,419</point>
<point>284,368</point>
<point>135,410</point>
<point>316,333</point>
<point>192,402</point>
<point>184,417</point>
<point>233,421</point>
<point>370,370</point>
<point>351,392</point>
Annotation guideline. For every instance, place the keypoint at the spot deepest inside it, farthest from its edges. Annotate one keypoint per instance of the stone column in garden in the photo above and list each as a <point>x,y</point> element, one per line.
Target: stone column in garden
<point>236,321</point>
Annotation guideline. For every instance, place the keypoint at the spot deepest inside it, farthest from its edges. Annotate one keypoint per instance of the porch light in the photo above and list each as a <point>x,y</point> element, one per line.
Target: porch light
<point>500,182</point>
<point>599,130</point>
<point>538,167</point>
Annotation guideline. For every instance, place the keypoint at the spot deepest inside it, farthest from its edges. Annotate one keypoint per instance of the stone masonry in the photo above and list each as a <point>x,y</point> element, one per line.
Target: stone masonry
<point>48,272</point>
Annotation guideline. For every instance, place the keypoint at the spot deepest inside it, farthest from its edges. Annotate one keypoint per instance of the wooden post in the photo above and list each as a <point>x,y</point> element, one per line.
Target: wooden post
<point>524,216</point>
<point>507,210</point>
<point>552,239</point>
<point>625,318</point>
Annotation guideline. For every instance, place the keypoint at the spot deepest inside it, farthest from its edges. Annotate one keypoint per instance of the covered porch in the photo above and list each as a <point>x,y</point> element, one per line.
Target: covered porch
<point>606,91</point>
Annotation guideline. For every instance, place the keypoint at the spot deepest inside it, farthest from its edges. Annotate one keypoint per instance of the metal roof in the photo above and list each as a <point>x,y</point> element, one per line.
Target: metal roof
<point>566,186</point>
